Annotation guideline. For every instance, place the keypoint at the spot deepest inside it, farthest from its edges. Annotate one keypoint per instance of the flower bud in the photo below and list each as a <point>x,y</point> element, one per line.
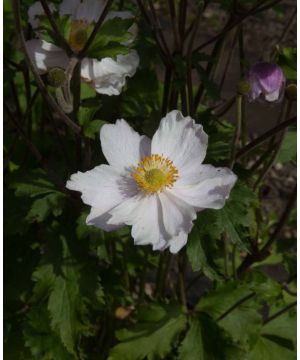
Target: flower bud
<point>243,87</point>
<point>266,81</point>
<point>56,77</point>
<point>291,92</point>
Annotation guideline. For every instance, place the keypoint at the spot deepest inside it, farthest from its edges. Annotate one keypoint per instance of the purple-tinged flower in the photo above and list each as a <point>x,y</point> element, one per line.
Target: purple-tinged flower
<point>266,81</point>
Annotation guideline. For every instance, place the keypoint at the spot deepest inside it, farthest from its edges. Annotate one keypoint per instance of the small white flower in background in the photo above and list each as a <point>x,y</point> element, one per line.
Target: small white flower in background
<point>107,76</point>
<point>155,186</point>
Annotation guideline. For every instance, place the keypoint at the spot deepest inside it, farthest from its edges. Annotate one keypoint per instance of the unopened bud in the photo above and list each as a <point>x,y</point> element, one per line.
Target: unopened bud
<point>243,87</point>
<point>291,92</point>
<point>56,77</point>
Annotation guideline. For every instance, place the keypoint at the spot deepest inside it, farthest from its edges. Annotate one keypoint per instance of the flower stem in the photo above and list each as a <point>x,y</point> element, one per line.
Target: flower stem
<point>180,262</point>
<point>236,138</point>
<point>261,139</point>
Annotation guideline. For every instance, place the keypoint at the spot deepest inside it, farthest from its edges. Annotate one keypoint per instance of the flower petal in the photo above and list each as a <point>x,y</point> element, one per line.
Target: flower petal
<point>46,55</point>
<point>68,7</point>
<point>274,96</point>
<point>108,76</point>
<point>211,191</point>
<point>103,188</point>
<point>178,242</point>
<point>99,219</point>
<point>34,11</point>
<point>122,146</point>
<point>177,215</point>
<point>142,212</point>
<point>181,140</point>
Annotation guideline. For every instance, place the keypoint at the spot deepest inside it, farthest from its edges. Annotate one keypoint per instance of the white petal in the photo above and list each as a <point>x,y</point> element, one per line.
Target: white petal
<point>99,219</point>
<point>103,188</point>
<point>142,212</point>
<point>182,141</point>
<point>35,10</point>
<point>178,242</point>
<point>86,10</point>
<point>122,146</point>
<point>176,214</point>
<point>273,96</point>
<point>46,55</point>
<point>211,191</point>
<point>124,15</point>
<point>68,7</point>
<point>108,76</point>
<point>90,10</point>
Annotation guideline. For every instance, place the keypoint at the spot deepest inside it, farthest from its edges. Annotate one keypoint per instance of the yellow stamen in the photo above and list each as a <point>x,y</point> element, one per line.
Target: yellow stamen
<point>78,35</point>
<point>155,173</point>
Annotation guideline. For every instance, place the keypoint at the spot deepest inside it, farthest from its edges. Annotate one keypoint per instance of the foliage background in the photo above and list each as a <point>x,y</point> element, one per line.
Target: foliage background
<point>75,292</point>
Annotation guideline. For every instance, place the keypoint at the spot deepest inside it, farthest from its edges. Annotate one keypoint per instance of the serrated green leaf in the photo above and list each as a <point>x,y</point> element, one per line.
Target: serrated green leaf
<point>205,340</point>
<point>108,41</point>
<point>199,251</point>
<point>92,129</point>
<point>43,344</point>
<point>148,340</point>
<point>217,302</point>
<point>50,204</point>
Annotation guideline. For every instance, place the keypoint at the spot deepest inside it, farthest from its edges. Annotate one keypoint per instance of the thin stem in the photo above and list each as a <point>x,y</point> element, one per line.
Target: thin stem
<point>233,262</point>
<point>255,10</point>
<point>48,98</point>
<point>162,53</point>
<point>96,29</point>
<point>181,282</point>
<point>264,252</point>
<point>261,139</point>
<point>284,33</point>
<point>237,135</point>
<point>165,274</point>
<point>189,60</point>
<point>173,16</point>
<point>60,38</point>
<point>282,311</point>
<point>226,255</point>
<point>167,85</point>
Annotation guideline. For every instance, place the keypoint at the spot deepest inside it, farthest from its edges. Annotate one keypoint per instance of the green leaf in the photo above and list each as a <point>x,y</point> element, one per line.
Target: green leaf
<point>92,129</point>
<point>149,340</point>
<point>33,184</point>
<point>205,340</point>
<point>199,251</point>
<point>265,287</point>
<point>43,344</point>
<point>277,338</point>
<point>266,349</point>
<point>243,324</point>
<point>288,149</point>
<point>237,214</point>
<point>288,61</point>
<point>50,204</point>
<point>192,345</point>
<point>219,301</point>
<point>108,41</point>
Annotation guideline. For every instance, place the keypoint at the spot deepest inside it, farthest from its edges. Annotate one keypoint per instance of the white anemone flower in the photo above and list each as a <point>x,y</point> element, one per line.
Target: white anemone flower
<point>107,76</point>
<point>157,186</point>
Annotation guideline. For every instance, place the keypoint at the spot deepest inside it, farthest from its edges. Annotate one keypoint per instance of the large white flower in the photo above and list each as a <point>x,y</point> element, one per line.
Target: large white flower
<point>107,76</point>
<point>155,186</point>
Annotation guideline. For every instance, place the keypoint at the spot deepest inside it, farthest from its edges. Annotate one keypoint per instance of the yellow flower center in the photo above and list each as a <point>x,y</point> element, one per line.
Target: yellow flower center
<point>155,173</point>
<point>78,35</point>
